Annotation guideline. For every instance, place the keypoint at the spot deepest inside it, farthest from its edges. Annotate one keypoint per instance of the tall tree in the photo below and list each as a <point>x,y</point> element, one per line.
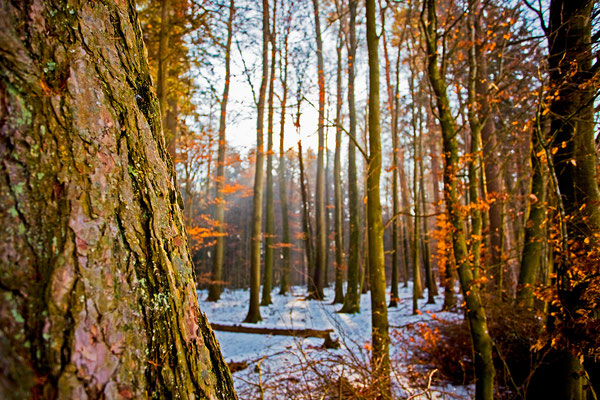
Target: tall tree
<point>575,163</point>
<point>215,289</point>
<point>392,100</point>
<point>475,127</point>
<point>96,279</point>
<point>481,341</point>
<point>352,299</point>
<point>337,178</point>
<point>535,230</point>
<point>316,290</point>
<point>379,318</point>
<point>283,198</point>
<point>254,307</point>
<point>270,212</point>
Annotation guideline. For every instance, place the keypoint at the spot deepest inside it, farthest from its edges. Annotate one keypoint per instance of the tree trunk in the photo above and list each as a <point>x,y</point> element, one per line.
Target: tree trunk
<point>489,143</point>
<point>535,229</point>
<point>307,234</point>
<point>575,163</point>
<point>482,343</point>
<point>392,95</point>
<point>379,319</point>
<point>474,152</point>
<point>352,299</point>
<point>337,179</point>
<point>270,212</point>
<point>417,288</point>
<point>283,199</point>
<point>316,290</point>
<point>96,281</point>
<point>257,206</point>
<point>215,289</point>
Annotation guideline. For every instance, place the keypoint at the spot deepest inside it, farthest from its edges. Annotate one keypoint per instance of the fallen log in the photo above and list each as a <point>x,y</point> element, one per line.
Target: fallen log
<point>316,333</point>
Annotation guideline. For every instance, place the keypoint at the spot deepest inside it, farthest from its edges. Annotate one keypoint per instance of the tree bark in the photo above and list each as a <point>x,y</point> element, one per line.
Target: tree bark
<point>474,153</point>
<point>307,228</point>
<point>283,199</point>
<point>481,341</point>
<point>575,163</point>
<point>392,95</point>
<point>316,290</point>
<point>96,281</point>
<point>379,319</point>
<point>337,181</point>
<point>215,289</point>
<point>270,212</point>
<point>535,230</point>
<point>257,206</point>
<point>352,299</point>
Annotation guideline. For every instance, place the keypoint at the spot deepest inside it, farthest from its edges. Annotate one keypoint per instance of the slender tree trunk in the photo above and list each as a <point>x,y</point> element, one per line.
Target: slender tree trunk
<point>429,281</point>
<point>417,288</point>
<point>392,93</point>
<point>215,289</point>
<point>352,299</point>
<point>316,290</point>
<point>257,206</point>
<point>379,318</point>
<point>270,212</point>
<point>535,230</point>
<point>406,231</point>
<point>96,278</point>
<point>482,343</point>
<point>307,234</point>
<point>489,142</point>
<point>475,157</point>
<point>283,199</point>
<point>337,179</point>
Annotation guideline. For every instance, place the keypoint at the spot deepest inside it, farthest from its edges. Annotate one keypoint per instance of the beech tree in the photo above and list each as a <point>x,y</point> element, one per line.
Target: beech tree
<point>476,317</point>
<point>318,276</point>
<point>97,284</point>
<point>379,315</point>
<point>217,269</point>
<point>575,163</point>
<point>257,207</point>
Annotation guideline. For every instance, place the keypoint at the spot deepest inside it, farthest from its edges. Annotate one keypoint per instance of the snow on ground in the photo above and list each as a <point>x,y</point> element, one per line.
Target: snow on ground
<point>284,367</point>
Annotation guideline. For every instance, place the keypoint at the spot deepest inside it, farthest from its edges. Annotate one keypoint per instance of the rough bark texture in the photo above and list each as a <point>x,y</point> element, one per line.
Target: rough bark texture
<point>482,343</point>
<point>257,204</point>
<point>321,239</point>
<point>215,289</point>
<point>96,281</point>
<point>379,318</point>
<point>352,299</point>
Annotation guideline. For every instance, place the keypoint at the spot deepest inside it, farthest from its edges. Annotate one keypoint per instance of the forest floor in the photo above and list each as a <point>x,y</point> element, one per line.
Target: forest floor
<point>284,367</point>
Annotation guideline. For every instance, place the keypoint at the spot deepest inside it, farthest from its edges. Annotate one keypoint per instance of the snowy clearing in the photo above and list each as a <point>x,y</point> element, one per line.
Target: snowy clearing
<point>283,367</point>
